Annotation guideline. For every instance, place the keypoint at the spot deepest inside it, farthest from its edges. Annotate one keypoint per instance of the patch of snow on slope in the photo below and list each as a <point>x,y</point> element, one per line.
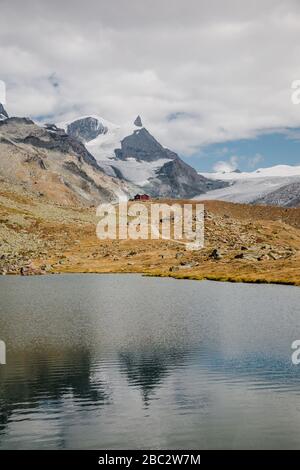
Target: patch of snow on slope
<point>132,170</point>
<point>103,147</point>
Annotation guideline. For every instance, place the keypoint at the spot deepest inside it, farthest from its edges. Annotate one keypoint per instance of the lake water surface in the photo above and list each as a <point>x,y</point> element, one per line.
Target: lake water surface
<point>125,361</point>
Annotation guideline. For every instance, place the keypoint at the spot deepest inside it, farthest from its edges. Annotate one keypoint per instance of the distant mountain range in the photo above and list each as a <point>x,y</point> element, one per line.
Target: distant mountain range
<point>89,159</point>
<point>277,185</point>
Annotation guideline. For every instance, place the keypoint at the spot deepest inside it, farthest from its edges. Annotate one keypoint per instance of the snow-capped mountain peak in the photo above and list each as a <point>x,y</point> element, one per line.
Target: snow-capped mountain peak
<point>131,153</point>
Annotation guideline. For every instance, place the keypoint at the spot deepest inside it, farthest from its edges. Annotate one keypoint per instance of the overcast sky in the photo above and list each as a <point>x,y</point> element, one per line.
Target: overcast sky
<point>199,72</point>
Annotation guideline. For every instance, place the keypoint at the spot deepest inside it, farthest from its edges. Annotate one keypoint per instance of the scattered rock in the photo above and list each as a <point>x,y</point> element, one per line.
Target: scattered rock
<point>46,267</point>
<point>132,253</point>
<point>215,254</point>
<point>185,265</point>
<point>173,269</point>
<point>274,255</point>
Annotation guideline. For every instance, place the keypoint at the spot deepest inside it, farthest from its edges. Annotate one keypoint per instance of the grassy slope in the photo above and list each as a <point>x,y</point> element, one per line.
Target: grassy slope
<point>40,236</point>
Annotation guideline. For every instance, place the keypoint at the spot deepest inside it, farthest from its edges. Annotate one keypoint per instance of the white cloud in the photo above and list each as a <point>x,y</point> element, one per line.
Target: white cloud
<point>253,161</point>
<point>223,70</point>
<point>226,166</point>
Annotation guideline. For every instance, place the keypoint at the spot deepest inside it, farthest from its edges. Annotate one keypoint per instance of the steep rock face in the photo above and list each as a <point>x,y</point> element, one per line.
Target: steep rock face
<point>177,179</point>
<point>142,146</point>
<point>54,165</point>
<point>3,113</point>
<point>86,129</point>
<point>286,196</point>
<point>174,178</point>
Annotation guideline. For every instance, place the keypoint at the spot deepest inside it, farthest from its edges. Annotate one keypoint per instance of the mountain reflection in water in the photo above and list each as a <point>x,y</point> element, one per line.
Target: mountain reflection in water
<point>126,362</point>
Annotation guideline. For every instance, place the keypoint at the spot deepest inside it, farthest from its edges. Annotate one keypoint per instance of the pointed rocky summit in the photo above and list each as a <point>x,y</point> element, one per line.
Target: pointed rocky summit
<point>3,113</point>
<point>138,122</point>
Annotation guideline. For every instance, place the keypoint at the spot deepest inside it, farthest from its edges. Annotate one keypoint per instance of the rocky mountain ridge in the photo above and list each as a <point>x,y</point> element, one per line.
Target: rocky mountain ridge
<point>53,164</point>
<point>285,196</point>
